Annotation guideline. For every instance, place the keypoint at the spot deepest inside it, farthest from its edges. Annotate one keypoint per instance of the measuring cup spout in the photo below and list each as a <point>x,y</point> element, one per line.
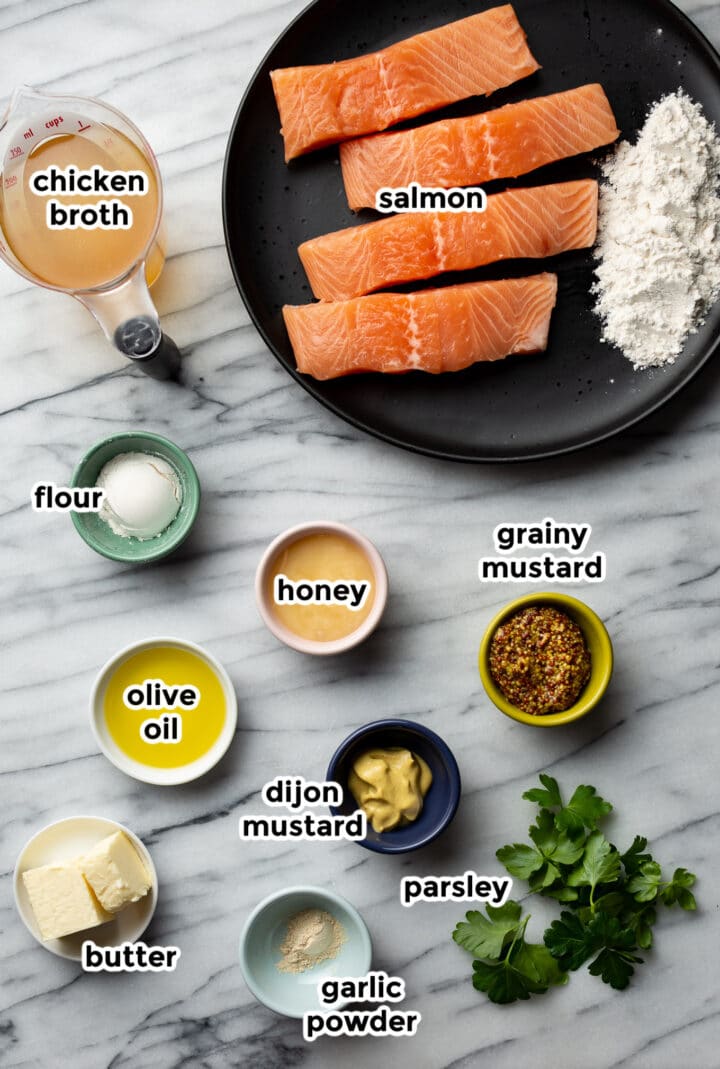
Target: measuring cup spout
<point>24,101</point>
<point>130,321</point>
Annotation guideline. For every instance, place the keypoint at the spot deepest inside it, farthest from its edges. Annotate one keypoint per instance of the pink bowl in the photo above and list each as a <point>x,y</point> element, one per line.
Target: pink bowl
<point>290,638</point>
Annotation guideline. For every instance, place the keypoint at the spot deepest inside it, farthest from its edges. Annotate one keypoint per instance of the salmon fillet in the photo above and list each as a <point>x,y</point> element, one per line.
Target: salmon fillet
<point>322,104</point>
<point>497,144</point>
<point>432,330</point>
<point>519,224</point>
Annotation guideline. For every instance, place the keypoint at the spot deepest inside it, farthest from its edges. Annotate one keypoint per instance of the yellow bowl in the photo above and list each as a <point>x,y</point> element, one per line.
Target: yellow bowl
<point>601,659</point>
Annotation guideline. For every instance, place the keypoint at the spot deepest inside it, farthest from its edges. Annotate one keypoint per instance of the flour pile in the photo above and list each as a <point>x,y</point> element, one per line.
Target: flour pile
<point>659,236</point>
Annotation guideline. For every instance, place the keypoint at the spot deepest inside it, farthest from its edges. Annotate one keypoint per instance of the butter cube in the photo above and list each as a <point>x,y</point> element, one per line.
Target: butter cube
<point>115,872</point>
<point>62,901</point>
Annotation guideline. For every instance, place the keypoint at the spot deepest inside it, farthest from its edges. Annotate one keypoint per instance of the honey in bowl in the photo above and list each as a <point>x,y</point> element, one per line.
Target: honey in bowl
<point>321,586</point>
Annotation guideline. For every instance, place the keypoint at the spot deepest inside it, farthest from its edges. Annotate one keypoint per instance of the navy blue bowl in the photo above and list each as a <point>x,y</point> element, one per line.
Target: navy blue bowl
<point>441,801</point>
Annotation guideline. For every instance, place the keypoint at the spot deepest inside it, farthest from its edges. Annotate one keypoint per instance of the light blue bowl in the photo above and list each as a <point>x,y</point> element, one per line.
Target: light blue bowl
<point>294,994</point>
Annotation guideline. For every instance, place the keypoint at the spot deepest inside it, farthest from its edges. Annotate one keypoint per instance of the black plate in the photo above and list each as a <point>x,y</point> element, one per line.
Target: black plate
<point>581,390</point>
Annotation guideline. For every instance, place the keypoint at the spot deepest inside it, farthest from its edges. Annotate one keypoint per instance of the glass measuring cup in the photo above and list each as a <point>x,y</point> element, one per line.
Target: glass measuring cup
<point>108,268</point>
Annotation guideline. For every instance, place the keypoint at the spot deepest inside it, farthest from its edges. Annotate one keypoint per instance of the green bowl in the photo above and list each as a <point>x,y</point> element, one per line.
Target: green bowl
<point>601,659</point>
<point>99,535</point>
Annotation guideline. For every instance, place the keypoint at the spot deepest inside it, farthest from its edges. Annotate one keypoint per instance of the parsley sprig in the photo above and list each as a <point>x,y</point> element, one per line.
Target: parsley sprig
<point>612,899</point>
<point>507,967</point>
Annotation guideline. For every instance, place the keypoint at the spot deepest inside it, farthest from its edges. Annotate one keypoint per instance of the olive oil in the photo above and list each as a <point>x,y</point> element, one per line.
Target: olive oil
<point>184,735</point>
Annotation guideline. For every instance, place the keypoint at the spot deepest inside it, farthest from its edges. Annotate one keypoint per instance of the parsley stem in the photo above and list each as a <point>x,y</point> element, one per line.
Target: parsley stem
<point>519,934</point>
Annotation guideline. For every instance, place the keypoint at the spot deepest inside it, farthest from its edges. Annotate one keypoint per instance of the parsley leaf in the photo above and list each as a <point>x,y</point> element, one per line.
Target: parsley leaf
<point>614,967</point>
<point>584,810</point>
<point>600,864</point>
<point>549,797</point>
<point>501,982</point>
<point>645,885</point>
<point>539,864</point>
<point>569,940</point>
<point>486,938</point>
<point>541,881</point>
<point>611,903</point>
<point>634,858</point>
<point>641,922</point>
<point>561,894</point>
<point>527,969</point>
<point>538,965</point>
<point>614,964</point>
<point>520,859</point>
<point>572,942</point>
<point>553,844</point>
<point>678,890</point>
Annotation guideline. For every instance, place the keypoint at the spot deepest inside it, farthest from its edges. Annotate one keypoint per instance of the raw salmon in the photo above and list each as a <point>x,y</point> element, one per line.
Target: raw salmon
<point>433,330</point>
<point>322,104</point>
<point>497,144</point>
<point>521,223</point>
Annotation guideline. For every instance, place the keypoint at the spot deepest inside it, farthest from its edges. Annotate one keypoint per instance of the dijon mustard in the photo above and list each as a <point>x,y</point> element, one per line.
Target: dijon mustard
<point>389,786</point>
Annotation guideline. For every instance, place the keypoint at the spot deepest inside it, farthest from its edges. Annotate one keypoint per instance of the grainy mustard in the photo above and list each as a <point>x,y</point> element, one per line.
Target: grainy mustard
<point>540,661</point>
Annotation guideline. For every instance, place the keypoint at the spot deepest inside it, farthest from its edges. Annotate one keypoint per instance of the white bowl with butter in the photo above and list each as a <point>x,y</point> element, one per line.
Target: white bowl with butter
<point>58,845</point>
<point>335,583</point>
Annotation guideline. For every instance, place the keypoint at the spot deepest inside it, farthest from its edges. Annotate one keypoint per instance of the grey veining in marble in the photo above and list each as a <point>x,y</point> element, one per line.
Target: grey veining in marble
<point>269,456</point>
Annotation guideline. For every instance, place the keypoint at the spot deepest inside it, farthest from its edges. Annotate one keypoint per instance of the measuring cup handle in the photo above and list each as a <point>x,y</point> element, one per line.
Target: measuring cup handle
<point>163,363</point>
<point>141,339</point>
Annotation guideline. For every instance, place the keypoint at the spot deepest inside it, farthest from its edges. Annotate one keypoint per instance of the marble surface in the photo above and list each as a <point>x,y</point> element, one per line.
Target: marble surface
<point>269,456</point>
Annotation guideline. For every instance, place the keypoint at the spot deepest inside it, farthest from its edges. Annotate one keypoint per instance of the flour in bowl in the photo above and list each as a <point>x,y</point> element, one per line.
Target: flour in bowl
<point>659,234</point>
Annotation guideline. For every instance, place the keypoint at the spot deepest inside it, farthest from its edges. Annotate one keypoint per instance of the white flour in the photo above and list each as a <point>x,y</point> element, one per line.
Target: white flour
<point>659,236</point>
